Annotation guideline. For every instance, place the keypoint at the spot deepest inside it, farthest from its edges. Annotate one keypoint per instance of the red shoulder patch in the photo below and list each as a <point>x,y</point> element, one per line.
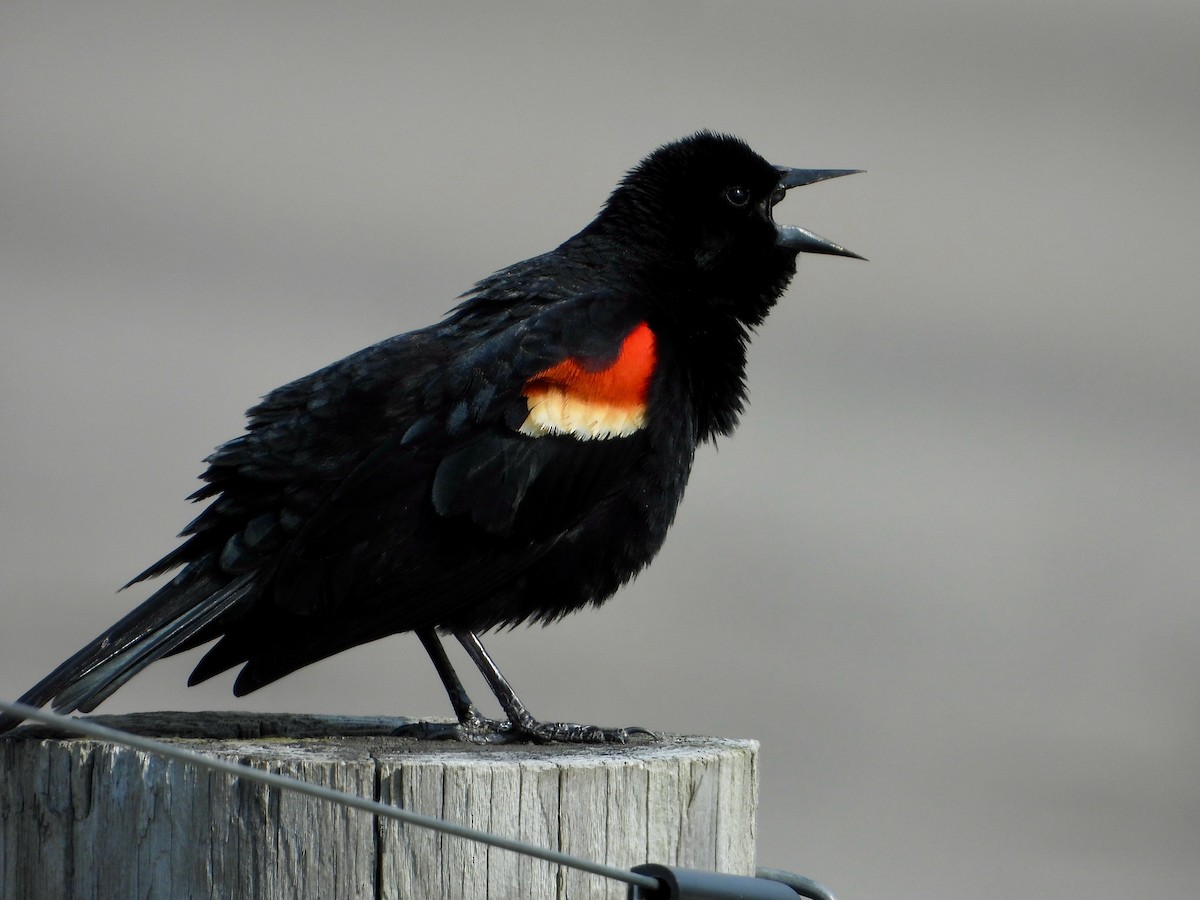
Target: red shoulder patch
<point>575,399</point>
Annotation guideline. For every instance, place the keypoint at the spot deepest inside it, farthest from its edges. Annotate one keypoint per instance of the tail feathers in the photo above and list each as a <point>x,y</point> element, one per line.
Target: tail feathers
<point>172,615</point>
<point>181,556</point>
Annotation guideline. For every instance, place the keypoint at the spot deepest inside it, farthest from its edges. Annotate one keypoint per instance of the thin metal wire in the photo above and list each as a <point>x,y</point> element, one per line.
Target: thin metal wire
<point>287,783</point>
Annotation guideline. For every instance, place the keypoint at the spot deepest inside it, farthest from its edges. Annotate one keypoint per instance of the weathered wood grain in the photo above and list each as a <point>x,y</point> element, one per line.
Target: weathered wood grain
<point>84,819</point>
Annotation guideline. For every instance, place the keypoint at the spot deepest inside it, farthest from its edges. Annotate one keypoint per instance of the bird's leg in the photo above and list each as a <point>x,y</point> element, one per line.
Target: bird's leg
<point>464,709</point>
<point>471,725</point>
<point>522,725</point>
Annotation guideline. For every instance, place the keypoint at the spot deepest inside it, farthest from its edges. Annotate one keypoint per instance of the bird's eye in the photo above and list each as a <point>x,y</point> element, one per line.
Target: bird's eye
<point>737,195</point>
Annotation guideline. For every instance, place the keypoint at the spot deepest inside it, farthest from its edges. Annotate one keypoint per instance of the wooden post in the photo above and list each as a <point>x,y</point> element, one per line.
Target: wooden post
<point>85,819</point>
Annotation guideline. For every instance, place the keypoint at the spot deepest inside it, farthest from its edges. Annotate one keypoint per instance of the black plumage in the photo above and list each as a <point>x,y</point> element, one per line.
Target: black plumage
<point>513,463</point>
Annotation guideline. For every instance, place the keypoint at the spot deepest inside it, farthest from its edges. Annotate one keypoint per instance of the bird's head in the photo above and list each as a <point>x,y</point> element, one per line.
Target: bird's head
<point>706,204</point>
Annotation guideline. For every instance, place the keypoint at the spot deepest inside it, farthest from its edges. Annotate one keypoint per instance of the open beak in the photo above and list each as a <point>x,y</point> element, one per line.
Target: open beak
<point>798,239</point>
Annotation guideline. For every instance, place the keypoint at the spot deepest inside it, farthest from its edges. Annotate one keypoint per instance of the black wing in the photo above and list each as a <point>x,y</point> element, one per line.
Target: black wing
<point>441,522</point>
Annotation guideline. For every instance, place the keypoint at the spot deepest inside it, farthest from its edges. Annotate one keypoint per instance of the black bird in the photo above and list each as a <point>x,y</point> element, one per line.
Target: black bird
<point>518,461</point>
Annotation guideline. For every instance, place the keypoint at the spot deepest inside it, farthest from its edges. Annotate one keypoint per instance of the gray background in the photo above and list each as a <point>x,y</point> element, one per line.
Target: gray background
<point>946,570</point>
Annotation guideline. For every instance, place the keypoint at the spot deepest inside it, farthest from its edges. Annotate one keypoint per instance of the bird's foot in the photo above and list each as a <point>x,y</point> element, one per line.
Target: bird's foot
<point>472,729</point>
<point>532,731</point>
<point>478,729</point>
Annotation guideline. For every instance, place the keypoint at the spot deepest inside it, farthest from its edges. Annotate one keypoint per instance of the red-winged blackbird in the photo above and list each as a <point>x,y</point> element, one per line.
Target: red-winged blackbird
<point>517,461</point>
